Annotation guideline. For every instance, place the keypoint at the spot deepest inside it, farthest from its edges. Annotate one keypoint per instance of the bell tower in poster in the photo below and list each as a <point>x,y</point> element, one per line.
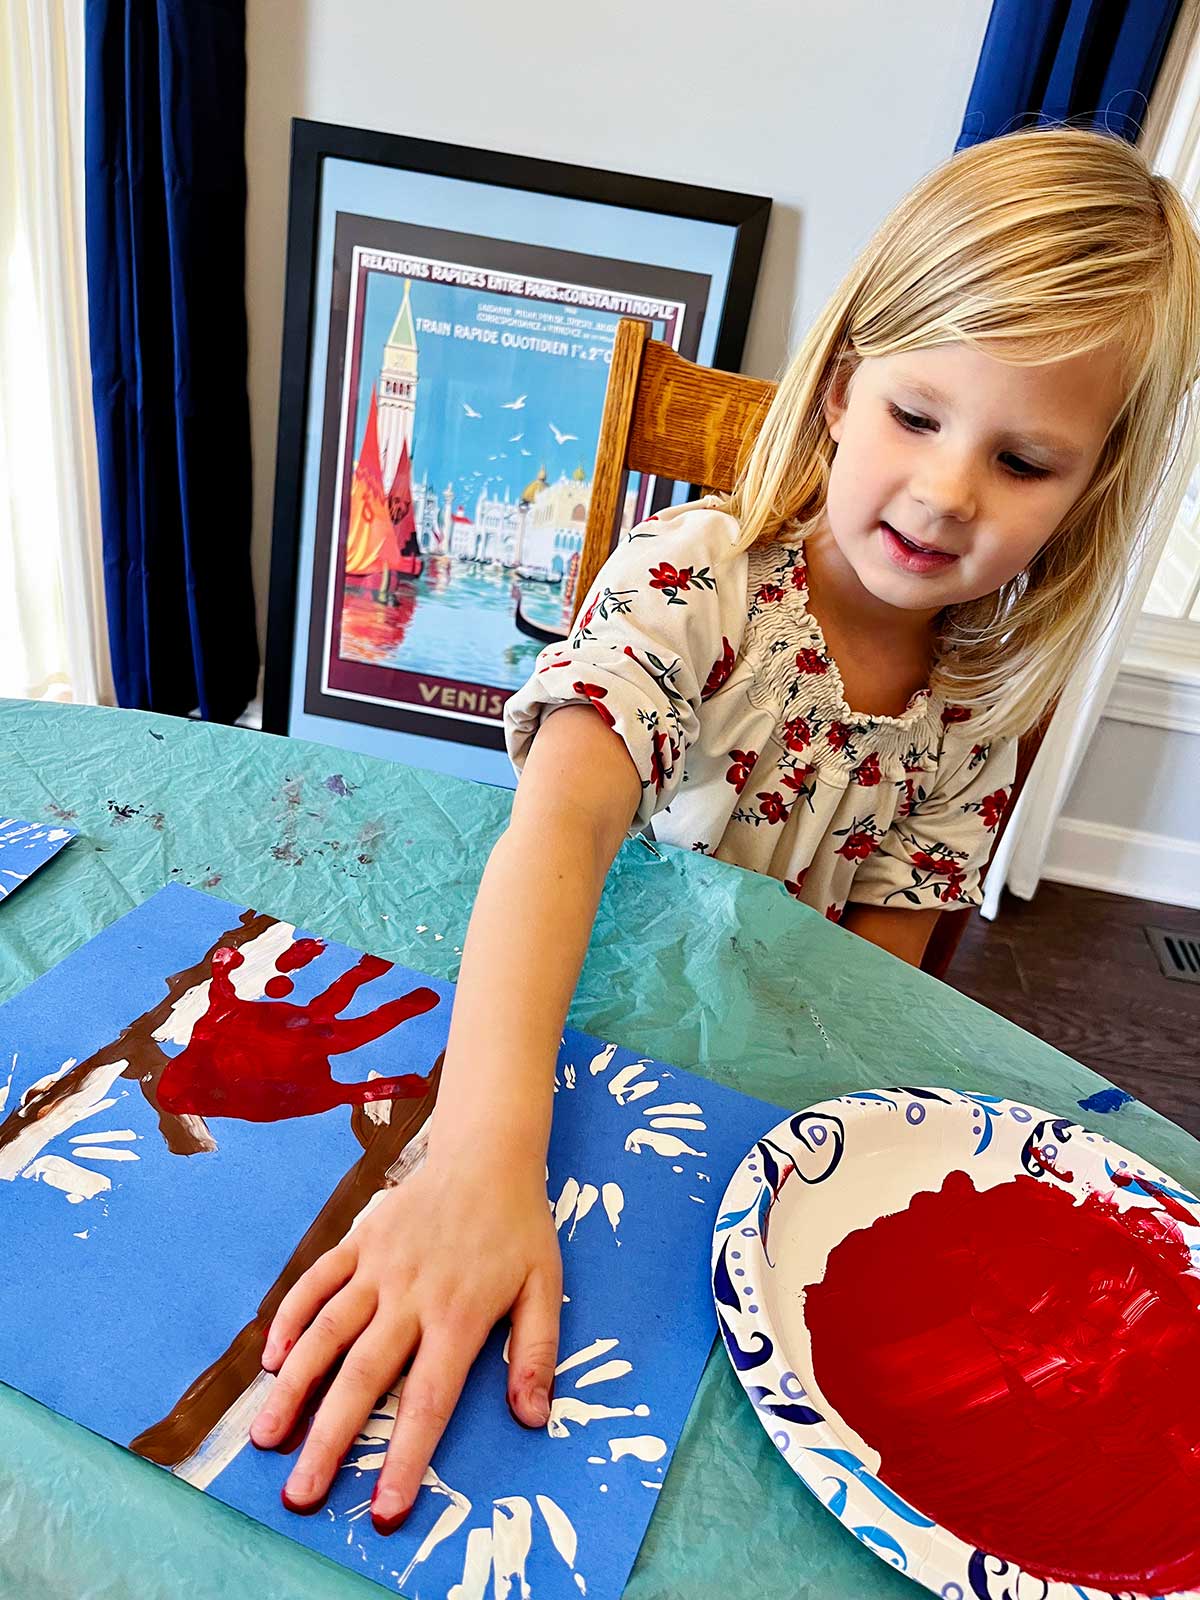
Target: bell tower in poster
<point>397,391</point>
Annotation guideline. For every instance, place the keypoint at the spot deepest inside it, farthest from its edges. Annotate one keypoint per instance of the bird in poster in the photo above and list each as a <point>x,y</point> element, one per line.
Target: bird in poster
<point>514,405</point>
<point>525,452</point>
<point>562,438</point>
<point>470,410</point>
<point>516,438</point>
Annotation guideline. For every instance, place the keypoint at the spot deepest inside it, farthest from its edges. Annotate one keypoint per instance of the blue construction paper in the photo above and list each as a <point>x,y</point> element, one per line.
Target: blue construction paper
<point>26,846</point>
<point>113,1303</point>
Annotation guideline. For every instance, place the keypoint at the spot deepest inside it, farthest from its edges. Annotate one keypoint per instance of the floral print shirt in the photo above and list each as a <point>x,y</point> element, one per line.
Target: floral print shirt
<point>714,673</point>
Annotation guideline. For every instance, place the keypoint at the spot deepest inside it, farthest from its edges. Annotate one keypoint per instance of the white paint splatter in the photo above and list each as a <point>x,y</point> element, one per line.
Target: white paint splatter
<point>613,1199</point>
<point>8,1082</point>
<point>605,1373</point>
<point>82,1235</point>
<point>648,1483</point>
<point>446,1526</point>
<point>477,1567</point>
<point>569,1075</point>
<point>85,1102</point>
<point>77,1183</point>
<point>598,1461</point>
<point>118,1135</point>
<point>588,1196</point>
<point>642,1447</point>
<point>696,1198</point>
<point>598,1347</point>
<point>97,1152</point>
<point>663,1144</point>
<point>677,1108</point>
<point>567,1409</point>
<point>623,1088</point>
<point>512,1536</point>
<point>601,1062</point>
<point>562,1532</point>
<point>565,1203</point>
<point>692,1123</point>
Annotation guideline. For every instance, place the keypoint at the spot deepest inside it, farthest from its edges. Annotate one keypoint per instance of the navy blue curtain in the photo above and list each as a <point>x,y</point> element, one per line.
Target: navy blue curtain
<point>1092,61</point>
<point>165,204</point>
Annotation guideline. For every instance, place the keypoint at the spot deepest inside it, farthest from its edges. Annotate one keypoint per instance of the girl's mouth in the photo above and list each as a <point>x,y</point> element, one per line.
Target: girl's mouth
<point>912,557</point>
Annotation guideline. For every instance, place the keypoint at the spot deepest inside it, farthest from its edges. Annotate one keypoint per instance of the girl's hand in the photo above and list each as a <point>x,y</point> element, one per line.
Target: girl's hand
<point>426,1276</point>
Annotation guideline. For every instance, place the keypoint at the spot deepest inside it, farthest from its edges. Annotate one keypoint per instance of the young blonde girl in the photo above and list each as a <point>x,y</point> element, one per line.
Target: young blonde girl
<point>821,676</point>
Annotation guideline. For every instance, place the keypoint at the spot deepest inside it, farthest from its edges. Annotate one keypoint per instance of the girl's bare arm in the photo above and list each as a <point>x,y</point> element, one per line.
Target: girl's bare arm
<point>469,1237</point>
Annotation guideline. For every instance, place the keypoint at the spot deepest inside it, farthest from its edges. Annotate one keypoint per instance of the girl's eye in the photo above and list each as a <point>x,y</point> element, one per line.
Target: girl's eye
<point>1018,467</point>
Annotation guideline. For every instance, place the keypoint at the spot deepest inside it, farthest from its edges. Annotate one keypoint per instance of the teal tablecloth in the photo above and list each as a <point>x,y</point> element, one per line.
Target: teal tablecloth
<point>691,961</point>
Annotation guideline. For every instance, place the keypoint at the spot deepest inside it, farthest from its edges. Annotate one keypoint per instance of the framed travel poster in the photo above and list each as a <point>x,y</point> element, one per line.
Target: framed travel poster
<point>448,327</point>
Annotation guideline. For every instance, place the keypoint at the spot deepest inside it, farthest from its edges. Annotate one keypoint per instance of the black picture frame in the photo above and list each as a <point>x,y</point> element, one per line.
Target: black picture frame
<point>313,145</point>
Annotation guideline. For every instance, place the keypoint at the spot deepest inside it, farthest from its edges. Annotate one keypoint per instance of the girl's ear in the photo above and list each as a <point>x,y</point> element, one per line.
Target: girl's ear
<point>837,396</point>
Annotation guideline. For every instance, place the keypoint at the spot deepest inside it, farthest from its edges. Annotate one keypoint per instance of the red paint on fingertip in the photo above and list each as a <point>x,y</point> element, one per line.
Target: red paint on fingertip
<point>387,1525</point>
<point>1025,1367</point>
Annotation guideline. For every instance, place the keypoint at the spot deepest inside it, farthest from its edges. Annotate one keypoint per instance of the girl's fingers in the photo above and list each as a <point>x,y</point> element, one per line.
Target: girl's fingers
<point>324,1278</point>
<point>369,1370</point>
<point>533,1349</point>
<point>334,1329</point>
<point>427,1399</point>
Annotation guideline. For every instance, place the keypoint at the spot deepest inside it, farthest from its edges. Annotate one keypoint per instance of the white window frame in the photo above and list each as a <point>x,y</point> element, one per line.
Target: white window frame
<point>1159,681</point>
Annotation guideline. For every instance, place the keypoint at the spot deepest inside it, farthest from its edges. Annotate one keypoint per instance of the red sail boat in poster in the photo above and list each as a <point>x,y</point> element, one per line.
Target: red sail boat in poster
<point>378,547</point>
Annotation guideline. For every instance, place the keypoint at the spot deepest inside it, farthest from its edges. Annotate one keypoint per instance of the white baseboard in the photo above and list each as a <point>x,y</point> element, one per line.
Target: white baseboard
<point>1147,866</point>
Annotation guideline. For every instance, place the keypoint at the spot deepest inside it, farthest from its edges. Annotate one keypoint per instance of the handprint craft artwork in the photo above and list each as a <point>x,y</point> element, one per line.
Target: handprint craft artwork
<point>203,1100</point>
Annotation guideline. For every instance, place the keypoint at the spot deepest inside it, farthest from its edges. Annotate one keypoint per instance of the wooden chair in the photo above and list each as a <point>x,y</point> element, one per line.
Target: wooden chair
<point>667,416</point>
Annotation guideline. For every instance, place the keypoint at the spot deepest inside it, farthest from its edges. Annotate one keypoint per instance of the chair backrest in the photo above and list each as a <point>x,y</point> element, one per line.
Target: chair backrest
<point>668,417</point>
<point>665,415</point>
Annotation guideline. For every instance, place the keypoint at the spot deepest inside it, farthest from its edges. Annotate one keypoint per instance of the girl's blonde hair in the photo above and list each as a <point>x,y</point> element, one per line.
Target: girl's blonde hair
<point>1044,243</point>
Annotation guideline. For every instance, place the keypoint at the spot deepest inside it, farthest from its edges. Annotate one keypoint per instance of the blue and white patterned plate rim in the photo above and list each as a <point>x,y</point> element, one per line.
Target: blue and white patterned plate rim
<point>814,1143</point>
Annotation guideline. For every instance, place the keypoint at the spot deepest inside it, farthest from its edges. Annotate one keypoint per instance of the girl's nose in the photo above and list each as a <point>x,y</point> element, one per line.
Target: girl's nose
<point>945,486</point>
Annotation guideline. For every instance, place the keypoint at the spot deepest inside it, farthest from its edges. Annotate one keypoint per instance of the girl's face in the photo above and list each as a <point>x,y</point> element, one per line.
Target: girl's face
<point>973,460</point>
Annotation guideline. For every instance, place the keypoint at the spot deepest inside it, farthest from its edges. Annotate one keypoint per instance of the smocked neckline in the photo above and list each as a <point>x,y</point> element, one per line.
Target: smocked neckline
<point>922,704</point>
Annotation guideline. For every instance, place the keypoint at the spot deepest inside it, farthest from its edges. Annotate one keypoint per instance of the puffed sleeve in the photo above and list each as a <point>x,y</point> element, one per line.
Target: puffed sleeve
<point>931,856</point>
<point>658,633</point>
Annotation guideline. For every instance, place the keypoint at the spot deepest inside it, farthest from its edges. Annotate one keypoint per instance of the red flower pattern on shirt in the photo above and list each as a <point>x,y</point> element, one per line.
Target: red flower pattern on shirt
<point>795,886</point>
<point>595,694</point>
<point>797,734</point>
<point>834,913</point>
<point>770,593</point>
<point>743,765</point>
<point>867,771</point>
<point>665,576</point>
<point>721,668</point>
<point>992,808</point>
<point>800,576</point>
<point>858,844</point>
<point>811,661</point>
<point>839,735</point>
<point>774,806</point>
<point>955,714</point>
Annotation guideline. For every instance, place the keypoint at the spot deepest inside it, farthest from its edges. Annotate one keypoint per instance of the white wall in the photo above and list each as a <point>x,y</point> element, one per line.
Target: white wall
<point>834,111</point>
<point>1131,822</point>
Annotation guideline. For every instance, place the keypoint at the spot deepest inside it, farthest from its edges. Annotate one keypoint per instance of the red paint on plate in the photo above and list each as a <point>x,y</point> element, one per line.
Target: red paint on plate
<point>1026,1368</point>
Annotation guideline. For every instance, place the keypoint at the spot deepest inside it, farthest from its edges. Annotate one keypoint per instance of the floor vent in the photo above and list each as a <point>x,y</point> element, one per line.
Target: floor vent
<point>1178,953</point>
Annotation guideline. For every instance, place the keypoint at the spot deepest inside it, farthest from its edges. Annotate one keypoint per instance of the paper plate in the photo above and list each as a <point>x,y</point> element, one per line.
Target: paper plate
<point>837,1169</point>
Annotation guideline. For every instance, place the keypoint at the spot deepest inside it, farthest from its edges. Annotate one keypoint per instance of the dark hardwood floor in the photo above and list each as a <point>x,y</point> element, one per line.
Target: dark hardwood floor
<point>1075,967</point>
